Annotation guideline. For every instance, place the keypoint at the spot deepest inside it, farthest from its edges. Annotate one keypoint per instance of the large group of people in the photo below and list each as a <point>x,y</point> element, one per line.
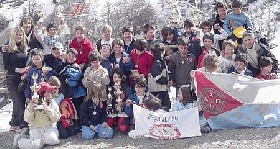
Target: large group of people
<point>58,91</point>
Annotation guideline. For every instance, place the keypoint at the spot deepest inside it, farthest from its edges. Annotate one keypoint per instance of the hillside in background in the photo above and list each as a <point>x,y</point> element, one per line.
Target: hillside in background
<point>118,13</point>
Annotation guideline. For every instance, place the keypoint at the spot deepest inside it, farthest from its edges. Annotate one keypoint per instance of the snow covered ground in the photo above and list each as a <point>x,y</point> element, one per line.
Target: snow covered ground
<point>5,116</point>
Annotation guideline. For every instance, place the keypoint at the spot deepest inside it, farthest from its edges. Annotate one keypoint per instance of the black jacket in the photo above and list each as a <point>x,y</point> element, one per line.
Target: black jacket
<point>14,60</point>
<point>92,114</point>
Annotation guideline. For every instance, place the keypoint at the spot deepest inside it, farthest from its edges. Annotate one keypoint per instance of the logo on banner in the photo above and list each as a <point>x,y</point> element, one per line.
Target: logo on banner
<point>165,131</point>
<point>212,101</point>
<point>79,9</point>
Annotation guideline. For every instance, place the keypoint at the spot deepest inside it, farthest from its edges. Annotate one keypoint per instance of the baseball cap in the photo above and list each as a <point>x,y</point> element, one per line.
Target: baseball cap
<point>57,45</point>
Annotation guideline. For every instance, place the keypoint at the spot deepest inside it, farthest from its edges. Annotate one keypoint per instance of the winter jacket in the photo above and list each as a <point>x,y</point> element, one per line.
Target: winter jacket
<point>125,67</point>
<point>92,113</point>
<point>98,76</point>
<point>83,48</point>
<point>130,47</point>
<point>48,43</point>
<point>53,62</point>
<point>178,106</point>
<point>30,82</point>
<point>194,43</point>
<point>158,78</point>
<point>239,20</point>
<point>180,68</point>
<point>143,61</point>
<point>216,32</point>
<point>105,63</point>
<point>262,77</point>
<point>42,118</point>
<point>71,85</point>
<point>13,60</point>
<point>225,64</point>
<point>32,41</point>
<point>247,72</point>
<point>262,51</point>
<point>136,99</point>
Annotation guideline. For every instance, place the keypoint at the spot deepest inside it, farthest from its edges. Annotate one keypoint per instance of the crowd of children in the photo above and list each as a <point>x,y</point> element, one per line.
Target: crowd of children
<point>92,88</point>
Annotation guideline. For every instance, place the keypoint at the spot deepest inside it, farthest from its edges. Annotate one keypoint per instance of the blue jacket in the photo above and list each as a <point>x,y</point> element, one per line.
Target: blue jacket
<point>125,67</point>
<point>72,88</point>
<point>92,114</point>
<point>194,44</point>
<point>130,47</point>
<point>239,20</point>
<point>247,71</point>
<point>53,62</point>
<point>30,82</point>
<point>105,63</point>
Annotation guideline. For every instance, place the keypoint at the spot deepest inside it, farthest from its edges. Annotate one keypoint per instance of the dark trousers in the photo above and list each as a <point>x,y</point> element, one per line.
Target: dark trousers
<point>77,103</point>
<point>18,100</point>
<point>65,132</point>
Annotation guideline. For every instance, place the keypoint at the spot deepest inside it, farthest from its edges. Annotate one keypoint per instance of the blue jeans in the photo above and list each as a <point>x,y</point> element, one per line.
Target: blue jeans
<point>102,132</point>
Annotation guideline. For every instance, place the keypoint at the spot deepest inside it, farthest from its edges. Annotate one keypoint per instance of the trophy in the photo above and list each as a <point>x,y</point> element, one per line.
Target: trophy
<point>119,100</point>
<point>35,97</point>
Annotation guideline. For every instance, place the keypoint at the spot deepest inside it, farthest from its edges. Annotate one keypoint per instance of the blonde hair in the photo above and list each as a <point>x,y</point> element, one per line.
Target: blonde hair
<point>54,81</point>
<point>95,92</point>
<point>211,62</point>
<point>106,28</point>
<point>228,43</point>
<point>12,42</point>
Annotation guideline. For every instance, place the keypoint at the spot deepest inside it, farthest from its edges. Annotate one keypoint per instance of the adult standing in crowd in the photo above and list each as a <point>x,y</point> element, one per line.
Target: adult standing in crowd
<point>27,24</point>
<point>15,61</point>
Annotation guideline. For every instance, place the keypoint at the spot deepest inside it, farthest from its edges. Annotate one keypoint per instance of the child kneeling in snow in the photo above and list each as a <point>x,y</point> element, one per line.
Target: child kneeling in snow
<point>94,114</point>
<point>185,101</point>
<point>42,115</point>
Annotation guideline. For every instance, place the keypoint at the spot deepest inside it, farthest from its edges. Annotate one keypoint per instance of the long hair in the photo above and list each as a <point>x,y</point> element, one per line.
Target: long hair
<point>12,43</point>
<point>186,93</point>
<point>95,92</point>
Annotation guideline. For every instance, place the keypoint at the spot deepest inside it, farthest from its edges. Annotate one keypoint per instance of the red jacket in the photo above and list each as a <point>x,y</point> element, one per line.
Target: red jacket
<point>144,62</point>
<point>83,48</point>
<point>262,77</point>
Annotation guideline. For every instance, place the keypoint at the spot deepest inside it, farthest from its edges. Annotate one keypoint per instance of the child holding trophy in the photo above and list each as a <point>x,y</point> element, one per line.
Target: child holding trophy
<point>118,94</point>
<point>42,114</point>
<point>39,69</point>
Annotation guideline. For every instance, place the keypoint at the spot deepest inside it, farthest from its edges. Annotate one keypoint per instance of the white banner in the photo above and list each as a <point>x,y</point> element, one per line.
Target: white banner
<point>165,125</point>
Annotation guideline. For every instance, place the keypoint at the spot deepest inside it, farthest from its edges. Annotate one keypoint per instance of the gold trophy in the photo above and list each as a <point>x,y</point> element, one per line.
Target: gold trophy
<point>119,93</point>
<point>35,97</point>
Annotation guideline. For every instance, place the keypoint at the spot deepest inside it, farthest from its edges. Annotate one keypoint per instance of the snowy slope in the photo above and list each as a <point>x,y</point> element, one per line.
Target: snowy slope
<point>14,14</point>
